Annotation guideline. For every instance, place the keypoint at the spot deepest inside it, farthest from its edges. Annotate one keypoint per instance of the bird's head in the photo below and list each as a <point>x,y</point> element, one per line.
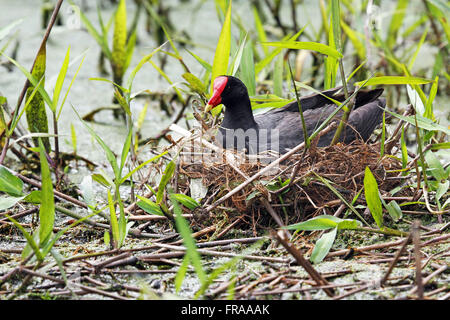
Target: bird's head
<point>226,90</point>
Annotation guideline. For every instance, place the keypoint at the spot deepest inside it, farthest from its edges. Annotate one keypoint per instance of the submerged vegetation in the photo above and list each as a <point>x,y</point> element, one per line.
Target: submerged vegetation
<point>313,223</point>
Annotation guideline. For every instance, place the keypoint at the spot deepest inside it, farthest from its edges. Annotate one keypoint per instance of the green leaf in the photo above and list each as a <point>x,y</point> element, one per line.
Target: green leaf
<point>422,122</point>
<point>60,80</point>
<point>195,83</point>
<point>204,64</point>
<point>323,246</point>
<point>396,22</point>
<point>323,222</point>
<point>166,177</point>
<point>47,208</point>
<point>119,54</point>
<point>247,68</point>
<point>313,46</point>
<point>278,76</point>
<point>101,40</point>
<point>262,37</point>
<point>269,57</point>
<point>394,210</point>
<point>9,183</point>
<point>186,201</point>
<point>181,274</point>
<point>372,197</point>
<point>8,202</point>
<point>222,54</point>
<point>435,167</point>
<point>113,220</point>
<point>149,206</point>
<point>393,80</point>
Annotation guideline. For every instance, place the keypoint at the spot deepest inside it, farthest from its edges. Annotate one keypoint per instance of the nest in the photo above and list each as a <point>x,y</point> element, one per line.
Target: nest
<point>294,188</point>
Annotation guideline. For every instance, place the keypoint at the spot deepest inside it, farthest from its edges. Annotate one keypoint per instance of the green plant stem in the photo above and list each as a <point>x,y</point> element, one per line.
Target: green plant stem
<point>347,109</point>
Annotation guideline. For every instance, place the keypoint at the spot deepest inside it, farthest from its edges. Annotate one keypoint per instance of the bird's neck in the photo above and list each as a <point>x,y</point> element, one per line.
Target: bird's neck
<point>239,115</point>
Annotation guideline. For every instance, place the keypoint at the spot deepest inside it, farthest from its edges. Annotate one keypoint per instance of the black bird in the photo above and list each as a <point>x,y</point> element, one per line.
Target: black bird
<point>280,129</point>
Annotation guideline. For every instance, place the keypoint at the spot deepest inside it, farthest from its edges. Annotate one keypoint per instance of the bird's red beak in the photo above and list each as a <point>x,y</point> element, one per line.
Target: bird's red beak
<point>218,87</point>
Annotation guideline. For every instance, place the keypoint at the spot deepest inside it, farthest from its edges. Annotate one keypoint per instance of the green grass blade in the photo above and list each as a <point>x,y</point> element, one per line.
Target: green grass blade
<point>68,89</point>
<point>101,40</point>
<point>393,80</point>
<point>268,58</point>
<point>166,177</point>
<point>396,22</point>
<point>313,46</point>
<point>61,78</point>
<point>109,154</point>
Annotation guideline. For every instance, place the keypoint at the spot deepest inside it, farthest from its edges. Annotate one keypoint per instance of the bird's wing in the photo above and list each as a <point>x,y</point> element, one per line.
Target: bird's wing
<point>364,120</point>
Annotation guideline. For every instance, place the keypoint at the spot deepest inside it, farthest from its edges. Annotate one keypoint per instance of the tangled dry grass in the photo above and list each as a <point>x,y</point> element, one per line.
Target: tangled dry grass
<point>295,188</point>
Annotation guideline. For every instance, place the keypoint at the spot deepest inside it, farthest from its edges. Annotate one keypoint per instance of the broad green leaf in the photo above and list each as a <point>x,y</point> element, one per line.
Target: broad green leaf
<point>8,202</point>
<point>186,201</point>
<point>9,183</point>
<point>372,197</point>
<point>317,223</point>
<point>47,207</point>
<point>222,53</point>
<point>435,167</point>
<point>323,246</point>
<point>149,206</point>
<point>35,112</point>
<point>442,189</point>
<point>313,46</point>
<point>195,83</point>
<point>394,210</point>
<point>119,54</point>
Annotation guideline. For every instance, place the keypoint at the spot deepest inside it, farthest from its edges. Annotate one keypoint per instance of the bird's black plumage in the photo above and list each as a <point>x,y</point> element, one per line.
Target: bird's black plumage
<point>280,129</point>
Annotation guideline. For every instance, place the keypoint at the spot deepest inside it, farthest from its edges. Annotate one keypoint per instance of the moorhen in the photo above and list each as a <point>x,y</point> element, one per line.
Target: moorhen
<point>280,129</point>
